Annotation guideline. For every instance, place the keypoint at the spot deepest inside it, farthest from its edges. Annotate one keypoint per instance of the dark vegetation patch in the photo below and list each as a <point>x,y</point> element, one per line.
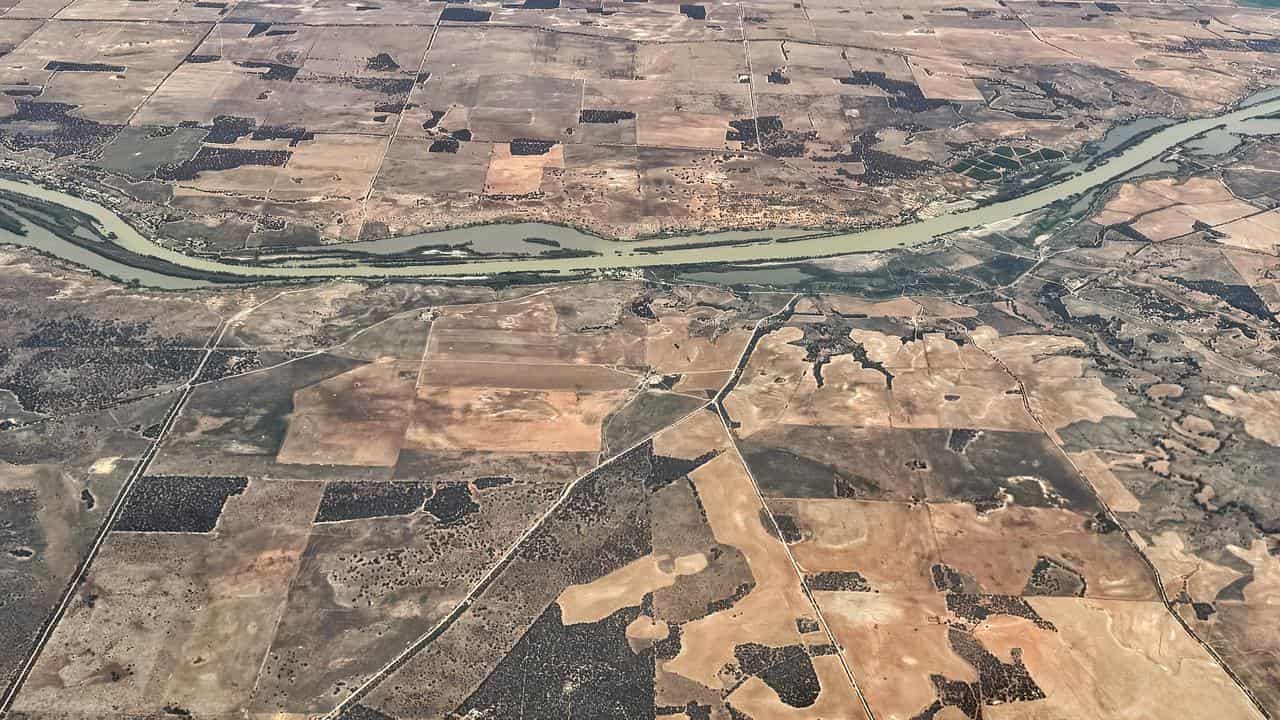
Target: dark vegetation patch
<point>50,126</point>
<point>274,71</point>
<point>976,608</point>
<point>767,133</point>
<point>87,332</point>
<point>215,158</point>
<point>486,483</point>
<point>1203,610</point>
<point>998,682</point>
<point>227,129</point>
<point>646,413</point>
<point>694,12</point>
<point>787,670</point>
<point>432,121</point>
<point>605,117</point>
<point>170,503</point>
<point>451,503</point>
<point>1001,270</point>
<point>725,603</point>
<point>784,473</point>
<point>386,86</point>
<point>882,166</point>
<point>382,62</point>
<point>788,529</point>
<point>946,578</point>
<point>848,581</point>
<point>1240,297</point>
<point>357,500</point>
<point>1050,577</point>
<point>391,107</point>
<point>665,470</point>
<point>292,133</point>
<point>527,146</point>
<point>224,363</point>
<point>585,670</point>
<point>463,14</point>
<point>959,439</point>
<point>445,145</point>
<point>68,66</point>
<point>903,95</point>
<point>363,712</point>
<point>79,363</point>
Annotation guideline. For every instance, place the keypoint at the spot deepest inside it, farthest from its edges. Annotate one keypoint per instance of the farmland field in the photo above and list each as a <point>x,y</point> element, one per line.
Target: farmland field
<point>824,360</point>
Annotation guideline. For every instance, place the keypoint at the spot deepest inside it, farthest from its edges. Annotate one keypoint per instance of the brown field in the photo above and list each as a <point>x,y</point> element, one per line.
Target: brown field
<point>894,642</point>
<point>670,346</point>
<point>945,79</point>
<point>519,174</point>
<point>1058,390</point>
<point>1246,636</point>
<point>1113,658</point>
<point>936,384</point>
<point>1256,232</point>
<point>357,418</point>
<point>682,129</point>
<point>850,396</point>
<point>530,488</point>
<point>774,372</point>
<point>111,98</point>
<point>767,614</point>
<point>890,544</point>
<point>371,71</point>
<point>179,619</point>
<point>506,420</point>
<point>835,701</point>
<point>1098,470</point>
<point>525,376</point>
<point>1259,411</point>
<point>1184,572</point>
<point>1167,208</point>
<point>1109,566</point>
<point>701,433</point>
<point>625,587</point>
<point>515,346</point>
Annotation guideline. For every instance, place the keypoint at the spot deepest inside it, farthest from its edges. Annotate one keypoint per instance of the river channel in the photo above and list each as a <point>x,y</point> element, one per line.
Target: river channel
<point>595,253</point>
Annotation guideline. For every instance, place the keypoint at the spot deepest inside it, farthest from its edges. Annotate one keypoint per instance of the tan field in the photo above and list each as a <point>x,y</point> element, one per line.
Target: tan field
<point>1113,659</point>
<point>506,420</point>
<point>767,614</point>
<point>357,418</point>
<point>1109,566</point>
<point>891,544</point>
<point>894,643</point>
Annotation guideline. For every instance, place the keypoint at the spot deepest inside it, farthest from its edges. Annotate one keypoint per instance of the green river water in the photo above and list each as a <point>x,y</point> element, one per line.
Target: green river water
<point>359,260</point>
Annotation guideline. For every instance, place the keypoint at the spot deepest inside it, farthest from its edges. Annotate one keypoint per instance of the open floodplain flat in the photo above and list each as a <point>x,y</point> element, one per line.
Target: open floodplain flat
<point>1028,470</point>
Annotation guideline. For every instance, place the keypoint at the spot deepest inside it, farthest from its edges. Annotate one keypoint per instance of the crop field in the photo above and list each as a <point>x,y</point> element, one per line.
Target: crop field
<point>1029,470</point>
<point>230,127</point>
<point>648,499</point>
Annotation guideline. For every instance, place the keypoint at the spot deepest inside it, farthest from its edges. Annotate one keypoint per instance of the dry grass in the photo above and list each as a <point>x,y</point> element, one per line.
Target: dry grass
<point>767,614</point>
<point>1259,411</point>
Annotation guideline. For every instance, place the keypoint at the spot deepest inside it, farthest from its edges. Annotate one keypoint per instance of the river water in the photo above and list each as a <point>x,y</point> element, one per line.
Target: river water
<point>733,247</point>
